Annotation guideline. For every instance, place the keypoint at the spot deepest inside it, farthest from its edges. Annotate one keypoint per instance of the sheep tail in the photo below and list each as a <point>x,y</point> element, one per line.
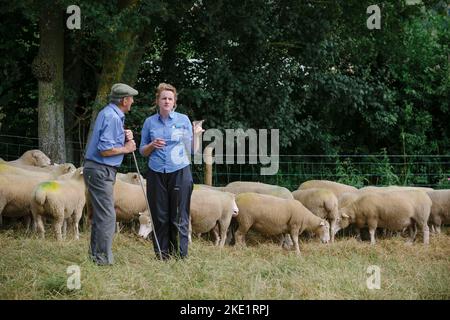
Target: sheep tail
<point>40,196</point>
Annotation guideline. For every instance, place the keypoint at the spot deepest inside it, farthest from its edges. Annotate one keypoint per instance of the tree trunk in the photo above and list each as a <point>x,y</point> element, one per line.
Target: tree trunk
<point>48,69</point>
<point>134,59</point>
<point>72,76</point>
<point>114,62</point>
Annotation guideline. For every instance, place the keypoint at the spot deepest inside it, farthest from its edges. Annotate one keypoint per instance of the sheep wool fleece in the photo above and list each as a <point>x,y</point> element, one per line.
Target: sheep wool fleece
<point>100,181</point>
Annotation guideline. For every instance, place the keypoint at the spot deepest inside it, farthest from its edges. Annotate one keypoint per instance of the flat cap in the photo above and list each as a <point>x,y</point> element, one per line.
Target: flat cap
<point>120,90</point>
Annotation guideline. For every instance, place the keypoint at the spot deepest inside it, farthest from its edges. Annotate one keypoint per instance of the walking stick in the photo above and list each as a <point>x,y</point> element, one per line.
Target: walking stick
<point>148,206</point>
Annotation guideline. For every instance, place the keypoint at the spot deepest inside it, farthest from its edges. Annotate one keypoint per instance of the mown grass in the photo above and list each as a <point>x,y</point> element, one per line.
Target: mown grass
<point>31,268</point>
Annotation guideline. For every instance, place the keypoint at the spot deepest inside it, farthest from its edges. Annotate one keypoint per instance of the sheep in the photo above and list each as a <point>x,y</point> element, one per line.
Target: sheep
<point>50,172</point>
<point>393,210</point>
<point>211,208</point>
<point>238,187</point>
<point>16,187</point>
<point>32,158</point>
<point>393,188</point>
<point>272,216</point>
<point>131,177</point>
<point>208,187</point>
<point>323,203</point>
<point>145,224</point>
<point>440,209</point>
<point>59,199</point>
<point>335,187</point>
<point>346,198</point>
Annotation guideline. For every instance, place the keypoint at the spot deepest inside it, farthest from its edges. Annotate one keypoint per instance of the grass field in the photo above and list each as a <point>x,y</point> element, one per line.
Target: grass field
<point>31,268</point>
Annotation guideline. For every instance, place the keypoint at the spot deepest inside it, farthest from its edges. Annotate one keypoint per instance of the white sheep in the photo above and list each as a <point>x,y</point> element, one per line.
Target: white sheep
<point>440,209</point>
<point>32,158</point>
<point>323,203</point>
<point>238,187</point>
<point>60,200</point>
<point>336,187</point>
<point>275,216</point>
<point>211,208</point>
<point>16,188</point>
<point>393,210</point>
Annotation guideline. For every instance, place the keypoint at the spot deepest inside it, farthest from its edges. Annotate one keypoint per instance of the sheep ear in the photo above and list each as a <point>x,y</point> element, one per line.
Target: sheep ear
<point>344,215</point>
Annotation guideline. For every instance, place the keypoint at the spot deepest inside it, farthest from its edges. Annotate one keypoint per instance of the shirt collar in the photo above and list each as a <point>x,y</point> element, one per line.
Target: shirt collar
<point>171,115</point>
<point>117,110</point>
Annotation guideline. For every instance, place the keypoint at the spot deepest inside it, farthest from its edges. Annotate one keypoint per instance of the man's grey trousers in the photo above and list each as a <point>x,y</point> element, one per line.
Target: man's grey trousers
<point>100,181</point>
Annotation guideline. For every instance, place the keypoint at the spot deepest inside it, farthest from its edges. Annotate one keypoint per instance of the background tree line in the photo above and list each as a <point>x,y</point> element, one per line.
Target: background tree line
<point>310,68</point>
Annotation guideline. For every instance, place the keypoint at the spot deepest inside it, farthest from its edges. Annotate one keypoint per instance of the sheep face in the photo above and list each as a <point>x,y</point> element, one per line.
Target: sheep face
<point>235,208</point>
<point>323,231</point>
<point>145,225</point>
<point>40,159</point>
<point>345,218</point>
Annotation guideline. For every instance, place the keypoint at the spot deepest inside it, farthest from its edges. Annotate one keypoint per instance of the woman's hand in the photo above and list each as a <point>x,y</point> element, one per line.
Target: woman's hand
<point>197,127</point>
<point>158,143</point>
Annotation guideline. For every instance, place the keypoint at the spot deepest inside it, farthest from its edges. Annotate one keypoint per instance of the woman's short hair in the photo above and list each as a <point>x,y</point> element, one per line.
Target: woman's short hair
<point>165,86</point>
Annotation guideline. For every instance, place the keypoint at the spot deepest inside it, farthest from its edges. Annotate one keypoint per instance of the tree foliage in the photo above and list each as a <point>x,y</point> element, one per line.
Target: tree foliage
<point>310,68</point>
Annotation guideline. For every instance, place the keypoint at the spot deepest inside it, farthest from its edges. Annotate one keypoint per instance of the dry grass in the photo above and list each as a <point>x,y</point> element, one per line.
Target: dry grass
<point>31,268</point>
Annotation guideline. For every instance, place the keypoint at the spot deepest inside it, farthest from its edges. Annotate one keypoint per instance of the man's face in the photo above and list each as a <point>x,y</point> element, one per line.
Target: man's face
<point>127,102</point>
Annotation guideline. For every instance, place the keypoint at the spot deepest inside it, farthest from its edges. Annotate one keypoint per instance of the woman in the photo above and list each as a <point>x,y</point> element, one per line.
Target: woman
<point>167,139</point>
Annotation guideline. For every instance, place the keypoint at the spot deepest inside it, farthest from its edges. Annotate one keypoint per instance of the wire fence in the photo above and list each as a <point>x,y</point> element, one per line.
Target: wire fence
<point>358,170</point>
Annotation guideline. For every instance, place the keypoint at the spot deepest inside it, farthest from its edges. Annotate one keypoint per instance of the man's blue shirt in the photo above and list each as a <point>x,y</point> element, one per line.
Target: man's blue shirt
<point>176,130</point>
<point>108,133</point>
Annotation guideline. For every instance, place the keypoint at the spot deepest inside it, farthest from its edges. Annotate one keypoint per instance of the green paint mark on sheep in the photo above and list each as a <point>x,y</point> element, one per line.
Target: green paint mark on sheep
<point>4,168</point>
<point>49,186</point>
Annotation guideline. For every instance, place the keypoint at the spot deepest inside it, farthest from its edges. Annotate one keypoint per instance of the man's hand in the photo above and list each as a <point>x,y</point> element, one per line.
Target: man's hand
<point>130,146</point>
<point>128,135</point>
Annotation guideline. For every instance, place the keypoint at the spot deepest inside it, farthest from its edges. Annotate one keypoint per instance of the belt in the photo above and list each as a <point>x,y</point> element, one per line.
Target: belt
<point>101,164</point>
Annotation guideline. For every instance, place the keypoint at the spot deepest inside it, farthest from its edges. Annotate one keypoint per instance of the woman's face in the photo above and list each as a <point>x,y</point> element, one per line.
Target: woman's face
<point>166,101</point>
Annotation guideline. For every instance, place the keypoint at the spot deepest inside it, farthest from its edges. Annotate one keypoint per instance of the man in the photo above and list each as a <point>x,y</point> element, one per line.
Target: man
<point>105,151</point>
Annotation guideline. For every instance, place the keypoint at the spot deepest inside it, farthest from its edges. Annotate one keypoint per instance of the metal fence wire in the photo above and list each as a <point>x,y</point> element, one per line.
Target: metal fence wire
<point>358,170</point>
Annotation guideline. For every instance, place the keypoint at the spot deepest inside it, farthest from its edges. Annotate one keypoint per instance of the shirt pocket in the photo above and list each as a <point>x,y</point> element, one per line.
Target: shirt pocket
<point>177,134</point>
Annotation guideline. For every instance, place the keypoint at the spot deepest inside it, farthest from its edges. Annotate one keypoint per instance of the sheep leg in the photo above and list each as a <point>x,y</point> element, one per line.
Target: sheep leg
<point>438,229</point>
<point>76,217</point>
<point>216,233</point>
<point>58,224</point>
<point>372,235</point>
<point>190,231</point>
<point>240,237</point>
<point>294,236</point>
<point>224,225</point>
<point>426,233</point>
<point>358,234</point>
<point>288,240</point>
<point>64,229</point>
<point>27,221</point>
<point>39,225</point>
<point>432,228</point>
<point>2,206</point>
<point>333,227</point>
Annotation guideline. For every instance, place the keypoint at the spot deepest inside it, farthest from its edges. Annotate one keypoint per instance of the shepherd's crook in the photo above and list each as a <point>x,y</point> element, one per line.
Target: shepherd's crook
<point>148,206</point>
